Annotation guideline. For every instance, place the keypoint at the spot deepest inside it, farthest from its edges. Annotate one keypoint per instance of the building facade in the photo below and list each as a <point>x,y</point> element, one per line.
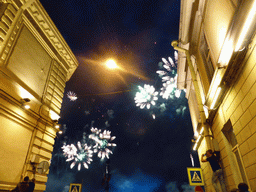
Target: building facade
<point>35,64</point>
<point>217,67</point>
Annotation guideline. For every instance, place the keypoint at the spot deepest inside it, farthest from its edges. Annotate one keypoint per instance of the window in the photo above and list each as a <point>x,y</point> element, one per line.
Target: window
<point>234,153</point>
<point>205,53</point>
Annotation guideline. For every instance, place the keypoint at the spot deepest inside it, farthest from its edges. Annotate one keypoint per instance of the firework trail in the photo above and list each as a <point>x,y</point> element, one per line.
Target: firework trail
<point>192,160</point>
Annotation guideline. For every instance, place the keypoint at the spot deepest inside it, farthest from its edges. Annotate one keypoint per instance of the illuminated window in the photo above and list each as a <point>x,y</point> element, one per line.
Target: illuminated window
<point>235,155</point>
<point>205,53</point>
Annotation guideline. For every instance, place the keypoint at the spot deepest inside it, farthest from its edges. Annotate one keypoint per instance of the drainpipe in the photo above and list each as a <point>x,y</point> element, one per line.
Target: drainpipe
<point>198,95</point>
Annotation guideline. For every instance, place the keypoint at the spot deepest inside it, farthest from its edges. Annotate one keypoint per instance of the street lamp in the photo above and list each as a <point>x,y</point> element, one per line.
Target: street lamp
<point>25,102</point>
<point>111,64</point>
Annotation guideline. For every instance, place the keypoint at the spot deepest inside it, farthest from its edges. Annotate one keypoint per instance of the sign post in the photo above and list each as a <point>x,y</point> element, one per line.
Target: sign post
<point>195,176</point>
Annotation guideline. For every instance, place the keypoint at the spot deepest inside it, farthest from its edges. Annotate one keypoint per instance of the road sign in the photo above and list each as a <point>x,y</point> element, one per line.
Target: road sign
<point>195,176</point>
<point>75,187</point>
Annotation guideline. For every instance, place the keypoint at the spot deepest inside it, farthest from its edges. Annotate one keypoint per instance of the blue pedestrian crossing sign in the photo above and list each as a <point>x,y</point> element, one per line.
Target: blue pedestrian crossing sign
<point>195,176</point>
<point>75,187</point>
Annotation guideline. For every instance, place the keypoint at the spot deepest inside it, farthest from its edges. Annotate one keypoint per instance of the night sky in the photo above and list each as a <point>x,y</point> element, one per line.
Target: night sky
<point>151,154</point>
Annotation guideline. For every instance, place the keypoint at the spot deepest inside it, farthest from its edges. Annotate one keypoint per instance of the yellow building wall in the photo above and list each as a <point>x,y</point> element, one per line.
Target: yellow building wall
<point>239,106</point>
<point>14,145</point>
<point>213,18</point>
<point>35,63</point>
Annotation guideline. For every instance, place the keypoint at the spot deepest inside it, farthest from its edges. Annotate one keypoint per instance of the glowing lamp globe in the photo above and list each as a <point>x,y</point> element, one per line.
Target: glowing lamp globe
<point>111,64</point>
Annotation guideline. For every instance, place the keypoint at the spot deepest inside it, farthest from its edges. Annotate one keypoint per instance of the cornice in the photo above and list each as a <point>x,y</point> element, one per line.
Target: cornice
<point>41,17</point>
<point>6,1</point>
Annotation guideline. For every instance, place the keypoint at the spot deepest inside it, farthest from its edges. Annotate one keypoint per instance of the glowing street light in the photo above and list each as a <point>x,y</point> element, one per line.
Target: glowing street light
<point>26,106</point>
<point>111,64</point>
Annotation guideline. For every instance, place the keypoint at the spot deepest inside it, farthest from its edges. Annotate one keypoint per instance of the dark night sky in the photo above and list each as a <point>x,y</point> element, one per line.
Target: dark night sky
<point>150,154</point>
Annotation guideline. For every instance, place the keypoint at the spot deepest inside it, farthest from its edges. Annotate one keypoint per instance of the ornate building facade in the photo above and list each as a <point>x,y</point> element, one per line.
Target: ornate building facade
<point>35,64</point>
<point>218,70</point>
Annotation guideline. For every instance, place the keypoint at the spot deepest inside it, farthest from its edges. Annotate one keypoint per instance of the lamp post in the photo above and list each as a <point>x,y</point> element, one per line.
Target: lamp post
<point>107,176</point>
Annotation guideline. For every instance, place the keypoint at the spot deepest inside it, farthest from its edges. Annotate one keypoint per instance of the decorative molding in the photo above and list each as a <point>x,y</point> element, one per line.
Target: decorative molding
<point>7,35</point>
<point>10,19</point>
<point>55,86</point>
<point>6,1</point>
<point>41,17</point>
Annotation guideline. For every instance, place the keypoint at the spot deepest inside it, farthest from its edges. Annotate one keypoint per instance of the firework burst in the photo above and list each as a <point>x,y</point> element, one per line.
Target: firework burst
<point>169,89</point>
<point>102,141</point>
<point>169,78</point>
<point>81,155</point>
<point>72,96</point>
<point>169,68</point>
<point>146,96</point>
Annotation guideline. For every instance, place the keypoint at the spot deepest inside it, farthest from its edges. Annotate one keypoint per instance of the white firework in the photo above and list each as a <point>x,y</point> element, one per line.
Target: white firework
<point>169,70</point>
<point>169,78</point>
<point>169,89</point>
<point>81,155</point>
<point>146,96</point>
<point>176,56</point>
<point>192,160</point>
<point>72,96</point>
<point>102,142</point>
<point>171,61</point>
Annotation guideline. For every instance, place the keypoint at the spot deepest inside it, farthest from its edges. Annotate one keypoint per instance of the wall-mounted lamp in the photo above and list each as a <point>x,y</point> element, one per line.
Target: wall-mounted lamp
<point>240,33</point>
<point>215,97</point>
<point>206,111</point>
<point>56,125</point>
<point>25,102</point>
<point>198,139</point>
<point>247,27</point>
<point>54,116</point>
<point>226,52</point>
<point>195,146</point>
